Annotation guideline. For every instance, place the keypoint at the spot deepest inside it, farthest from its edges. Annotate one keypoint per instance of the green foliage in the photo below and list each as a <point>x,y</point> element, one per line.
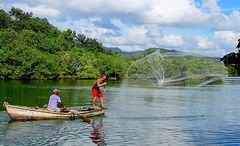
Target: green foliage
<point>176,67</point>
<point>139,54</point>
<point>31,48</point>
<point>5,20</point>
<point>18,14</point>
<point>232,62</point>
<point>90,44</point>
<point>182,67</point>
<point>233,70</point>
<point>113,65</point>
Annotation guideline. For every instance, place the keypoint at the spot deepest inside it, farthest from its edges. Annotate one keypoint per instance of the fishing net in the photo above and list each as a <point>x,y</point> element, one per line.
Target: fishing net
<point>174,68</point>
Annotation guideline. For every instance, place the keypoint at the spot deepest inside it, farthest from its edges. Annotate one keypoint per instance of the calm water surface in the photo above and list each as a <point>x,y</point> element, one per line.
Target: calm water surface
<point>206,115</point>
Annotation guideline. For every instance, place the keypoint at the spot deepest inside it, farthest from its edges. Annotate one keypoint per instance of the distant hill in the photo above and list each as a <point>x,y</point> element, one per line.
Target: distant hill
<point>140,54</point>
<point>147,51</point>
<point>171,53</point>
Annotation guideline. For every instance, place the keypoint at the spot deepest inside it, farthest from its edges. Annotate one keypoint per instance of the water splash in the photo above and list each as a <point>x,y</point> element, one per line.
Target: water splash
<point>173,68</point>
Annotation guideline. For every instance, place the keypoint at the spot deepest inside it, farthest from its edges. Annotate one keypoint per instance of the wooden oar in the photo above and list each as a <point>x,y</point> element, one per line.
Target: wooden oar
<point>85,119</point>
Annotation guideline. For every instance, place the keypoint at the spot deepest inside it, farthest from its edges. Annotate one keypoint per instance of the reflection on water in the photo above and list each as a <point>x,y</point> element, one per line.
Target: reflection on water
<point>33,132</point>
<point>55,132</point>
<point>97,134</point>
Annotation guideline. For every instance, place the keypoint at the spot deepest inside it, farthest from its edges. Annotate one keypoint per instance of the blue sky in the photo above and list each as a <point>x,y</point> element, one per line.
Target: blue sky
<point>229,6</point>
<point>207,27</point>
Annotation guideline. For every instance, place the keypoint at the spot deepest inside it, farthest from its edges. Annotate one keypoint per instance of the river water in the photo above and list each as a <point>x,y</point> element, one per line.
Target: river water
<point>173,115</point>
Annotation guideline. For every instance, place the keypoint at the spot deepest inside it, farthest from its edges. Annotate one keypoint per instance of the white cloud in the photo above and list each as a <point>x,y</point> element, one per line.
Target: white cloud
<point>170,41</point>
<point>95,19</point>
<point>168,12</point>
<point>40,10</point>
<point>130,36</point>
<point>204,42</point>
<point>211,6</point>
<point>214,52</point>
<point>231,22</point>
<point>139,37</point>
<point>161,12</point>
<point>154,31</point>
<point>143,35</point>
<point>104,6</point>
<point>84,26</point>
<point>172,12</point>
<point>227,39</point>
<point>118,23</point>
<point>218,20</point>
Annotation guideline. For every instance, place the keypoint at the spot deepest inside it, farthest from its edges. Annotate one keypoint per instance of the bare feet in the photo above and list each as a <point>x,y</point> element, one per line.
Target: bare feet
<point>94,108</point>
<point>102,107</point>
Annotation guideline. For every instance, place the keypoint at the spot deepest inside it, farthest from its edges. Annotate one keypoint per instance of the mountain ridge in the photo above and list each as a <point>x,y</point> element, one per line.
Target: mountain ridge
<point>142,53</point>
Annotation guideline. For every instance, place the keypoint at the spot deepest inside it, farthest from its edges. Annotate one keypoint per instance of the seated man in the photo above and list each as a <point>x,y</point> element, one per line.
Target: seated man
<point>54,100</point>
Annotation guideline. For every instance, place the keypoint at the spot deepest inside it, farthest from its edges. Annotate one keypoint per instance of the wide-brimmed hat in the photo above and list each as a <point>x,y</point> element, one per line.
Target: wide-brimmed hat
<point>56,90</point>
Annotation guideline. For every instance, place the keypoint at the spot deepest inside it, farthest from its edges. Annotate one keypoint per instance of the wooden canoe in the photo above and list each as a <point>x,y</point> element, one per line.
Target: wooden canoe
<point>16,112</point>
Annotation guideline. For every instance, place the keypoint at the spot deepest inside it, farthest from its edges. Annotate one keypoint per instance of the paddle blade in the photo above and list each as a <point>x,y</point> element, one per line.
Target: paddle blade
<point>85,119</point>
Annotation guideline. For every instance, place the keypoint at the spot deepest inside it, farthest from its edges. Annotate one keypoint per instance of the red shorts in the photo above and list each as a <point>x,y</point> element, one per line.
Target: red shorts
<point>97,93</point>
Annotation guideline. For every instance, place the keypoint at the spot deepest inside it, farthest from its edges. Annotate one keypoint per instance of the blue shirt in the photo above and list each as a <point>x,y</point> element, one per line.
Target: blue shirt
<point>53,100</point>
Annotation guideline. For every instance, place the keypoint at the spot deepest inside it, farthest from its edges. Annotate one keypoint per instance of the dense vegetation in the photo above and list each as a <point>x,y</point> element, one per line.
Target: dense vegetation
<point>32,48</point>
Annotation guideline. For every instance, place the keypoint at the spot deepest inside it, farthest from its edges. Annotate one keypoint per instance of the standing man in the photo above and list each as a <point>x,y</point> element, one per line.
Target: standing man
<point>101,82</point>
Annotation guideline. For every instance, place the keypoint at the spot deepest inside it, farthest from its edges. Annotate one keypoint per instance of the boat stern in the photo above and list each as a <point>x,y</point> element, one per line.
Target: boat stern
<point>5,105</point>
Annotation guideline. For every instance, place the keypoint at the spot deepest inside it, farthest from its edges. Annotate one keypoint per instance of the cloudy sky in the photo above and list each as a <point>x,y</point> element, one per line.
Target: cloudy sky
<point>208,27</point>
